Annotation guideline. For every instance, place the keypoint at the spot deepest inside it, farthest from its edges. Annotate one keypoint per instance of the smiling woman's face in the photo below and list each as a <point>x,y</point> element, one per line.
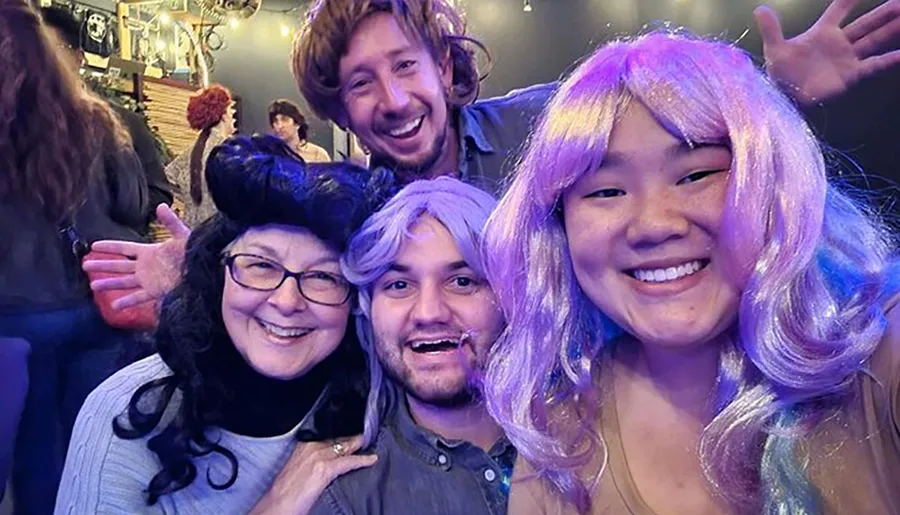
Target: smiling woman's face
<point>280,333</point>
<point>643,231</point>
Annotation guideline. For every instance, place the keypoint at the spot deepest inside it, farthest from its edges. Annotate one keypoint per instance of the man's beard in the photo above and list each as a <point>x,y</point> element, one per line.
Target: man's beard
<point>465,395</point>
<point>409,172</point>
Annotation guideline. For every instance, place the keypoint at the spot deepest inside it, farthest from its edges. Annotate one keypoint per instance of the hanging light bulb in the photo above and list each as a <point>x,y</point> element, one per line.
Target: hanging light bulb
<point>527,6</point>
<point>165,18</point>
<point>285,30</point>
<point>233,22</point>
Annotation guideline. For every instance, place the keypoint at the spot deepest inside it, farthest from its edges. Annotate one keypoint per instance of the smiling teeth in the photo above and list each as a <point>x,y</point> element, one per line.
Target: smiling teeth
<point>423,343</point>
<point>409,127</point>
<point>285,332</point>
<point>659,275</point>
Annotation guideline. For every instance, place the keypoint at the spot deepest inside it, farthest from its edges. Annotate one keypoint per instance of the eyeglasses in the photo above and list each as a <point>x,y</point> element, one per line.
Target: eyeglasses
<point>259,273</point>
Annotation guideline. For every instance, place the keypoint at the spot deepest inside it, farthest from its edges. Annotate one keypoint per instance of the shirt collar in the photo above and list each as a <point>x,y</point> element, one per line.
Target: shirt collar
<point>426,442</point>
<point>470,131</point>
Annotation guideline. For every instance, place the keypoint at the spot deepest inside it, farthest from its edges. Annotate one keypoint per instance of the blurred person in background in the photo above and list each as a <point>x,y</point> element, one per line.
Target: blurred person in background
<point>210,112</point>
<point>68,30</point>
<point>289,124</point>
<point>58,144</point>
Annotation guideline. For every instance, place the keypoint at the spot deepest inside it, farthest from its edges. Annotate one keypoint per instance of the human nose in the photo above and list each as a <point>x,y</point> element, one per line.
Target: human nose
<point>430,306</point>
<point>657,218</point>
<point>287,297</point>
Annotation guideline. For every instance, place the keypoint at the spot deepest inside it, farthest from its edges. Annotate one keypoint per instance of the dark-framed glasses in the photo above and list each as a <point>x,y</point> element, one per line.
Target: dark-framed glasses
<point>263,274</point>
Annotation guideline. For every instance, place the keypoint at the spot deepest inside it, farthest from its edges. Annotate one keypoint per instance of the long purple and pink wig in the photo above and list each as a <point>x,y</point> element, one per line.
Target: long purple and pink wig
<point>814,266</point>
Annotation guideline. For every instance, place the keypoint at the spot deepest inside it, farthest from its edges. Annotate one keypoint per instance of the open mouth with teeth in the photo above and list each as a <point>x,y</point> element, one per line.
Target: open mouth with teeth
<point>407,130</point>
<point>434,346</point>
<point>283,333</point>
<point>672,273</point>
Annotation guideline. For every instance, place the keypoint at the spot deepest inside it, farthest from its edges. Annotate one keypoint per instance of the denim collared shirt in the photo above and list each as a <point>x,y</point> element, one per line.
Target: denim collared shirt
<point>492,133</point>
<point>418,472</point>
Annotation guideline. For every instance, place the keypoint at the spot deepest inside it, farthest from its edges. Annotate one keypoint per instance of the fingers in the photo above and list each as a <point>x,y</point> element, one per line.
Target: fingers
<point>879,63</point>
<point>124,282</point>
<point>837,12</point>
<point>171,222</point>
<point>874,42</point>
<point>125,248</point>
<point>329,467</point>
<point>352,444</point>
<point>326,451</point>
<point>341,466</point>
<point>769,26</point>
<point>873,20</point>
<point>132,299</point>
<point>114,266</point>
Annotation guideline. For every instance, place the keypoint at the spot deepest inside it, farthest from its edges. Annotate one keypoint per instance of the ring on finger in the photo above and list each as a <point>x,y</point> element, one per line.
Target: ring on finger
<point>338,448</point>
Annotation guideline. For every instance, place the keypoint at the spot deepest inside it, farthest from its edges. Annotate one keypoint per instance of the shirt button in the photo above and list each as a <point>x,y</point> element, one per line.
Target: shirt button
<point>442,459</point>
<point>490,475</point>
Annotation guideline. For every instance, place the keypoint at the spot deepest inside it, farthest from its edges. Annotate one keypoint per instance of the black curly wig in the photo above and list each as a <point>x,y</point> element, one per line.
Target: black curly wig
<point>253,181</point>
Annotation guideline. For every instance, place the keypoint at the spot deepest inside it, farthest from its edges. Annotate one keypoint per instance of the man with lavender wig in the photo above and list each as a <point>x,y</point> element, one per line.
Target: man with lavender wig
<point>427,321</point>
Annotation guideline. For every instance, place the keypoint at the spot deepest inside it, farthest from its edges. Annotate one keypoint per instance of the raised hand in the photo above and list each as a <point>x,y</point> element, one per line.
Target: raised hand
<point>309,470</point>
<point>152,269</point>
<point>826,60</point>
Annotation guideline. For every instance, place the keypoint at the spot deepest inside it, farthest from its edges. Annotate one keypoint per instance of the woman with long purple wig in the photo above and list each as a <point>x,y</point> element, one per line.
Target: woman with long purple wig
<point>699,320</point>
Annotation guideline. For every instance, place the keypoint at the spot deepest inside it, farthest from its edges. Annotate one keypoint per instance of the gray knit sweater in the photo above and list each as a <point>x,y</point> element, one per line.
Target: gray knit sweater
<point>105,474</point>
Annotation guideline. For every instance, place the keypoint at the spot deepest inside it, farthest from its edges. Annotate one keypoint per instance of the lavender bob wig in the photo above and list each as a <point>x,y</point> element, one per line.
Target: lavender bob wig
<point>813,265</point>
<point>461,208</point>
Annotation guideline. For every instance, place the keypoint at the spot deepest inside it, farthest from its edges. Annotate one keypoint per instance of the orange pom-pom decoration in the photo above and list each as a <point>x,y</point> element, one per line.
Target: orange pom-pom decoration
<point>207,107</point>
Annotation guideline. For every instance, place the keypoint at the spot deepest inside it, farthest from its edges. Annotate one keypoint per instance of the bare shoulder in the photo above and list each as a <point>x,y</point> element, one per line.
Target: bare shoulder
<point>530,495</point>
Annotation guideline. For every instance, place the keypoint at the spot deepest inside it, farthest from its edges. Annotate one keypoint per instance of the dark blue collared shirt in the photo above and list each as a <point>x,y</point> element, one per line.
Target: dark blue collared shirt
<point>419,472</point>
<point>492,133</point>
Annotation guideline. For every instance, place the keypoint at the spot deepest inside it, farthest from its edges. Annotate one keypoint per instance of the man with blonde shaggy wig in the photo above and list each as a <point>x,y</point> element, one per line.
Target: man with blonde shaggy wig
<point>403,76</point>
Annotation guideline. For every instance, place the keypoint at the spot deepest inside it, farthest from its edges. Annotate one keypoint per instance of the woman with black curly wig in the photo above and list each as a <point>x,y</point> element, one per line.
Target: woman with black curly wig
<point>255,351</point>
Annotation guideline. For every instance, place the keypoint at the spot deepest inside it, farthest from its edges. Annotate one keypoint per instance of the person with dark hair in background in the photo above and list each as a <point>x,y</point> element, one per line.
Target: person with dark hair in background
<point>68,30</point>
<point>256,351</point>
<point>58,144</point>
<point>290,125</point>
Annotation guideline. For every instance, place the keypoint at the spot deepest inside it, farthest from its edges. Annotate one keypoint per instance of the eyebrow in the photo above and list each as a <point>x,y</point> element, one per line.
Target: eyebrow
<point>269,252</point>
<point>391,55</point>
<point>262,248</point>
<point>672,151</point>
<point>451,267</point>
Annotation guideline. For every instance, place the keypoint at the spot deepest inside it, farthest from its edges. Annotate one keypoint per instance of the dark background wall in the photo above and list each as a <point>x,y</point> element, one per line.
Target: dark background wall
<point>539,46</point>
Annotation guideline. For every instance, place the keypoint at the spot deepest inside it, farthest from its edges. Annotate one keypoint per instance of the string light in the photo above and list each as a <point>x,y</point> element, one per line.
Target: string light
<point>285,30</point>
<point>164,18</point>
<point>233,22</point>
<point>527,6</point>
